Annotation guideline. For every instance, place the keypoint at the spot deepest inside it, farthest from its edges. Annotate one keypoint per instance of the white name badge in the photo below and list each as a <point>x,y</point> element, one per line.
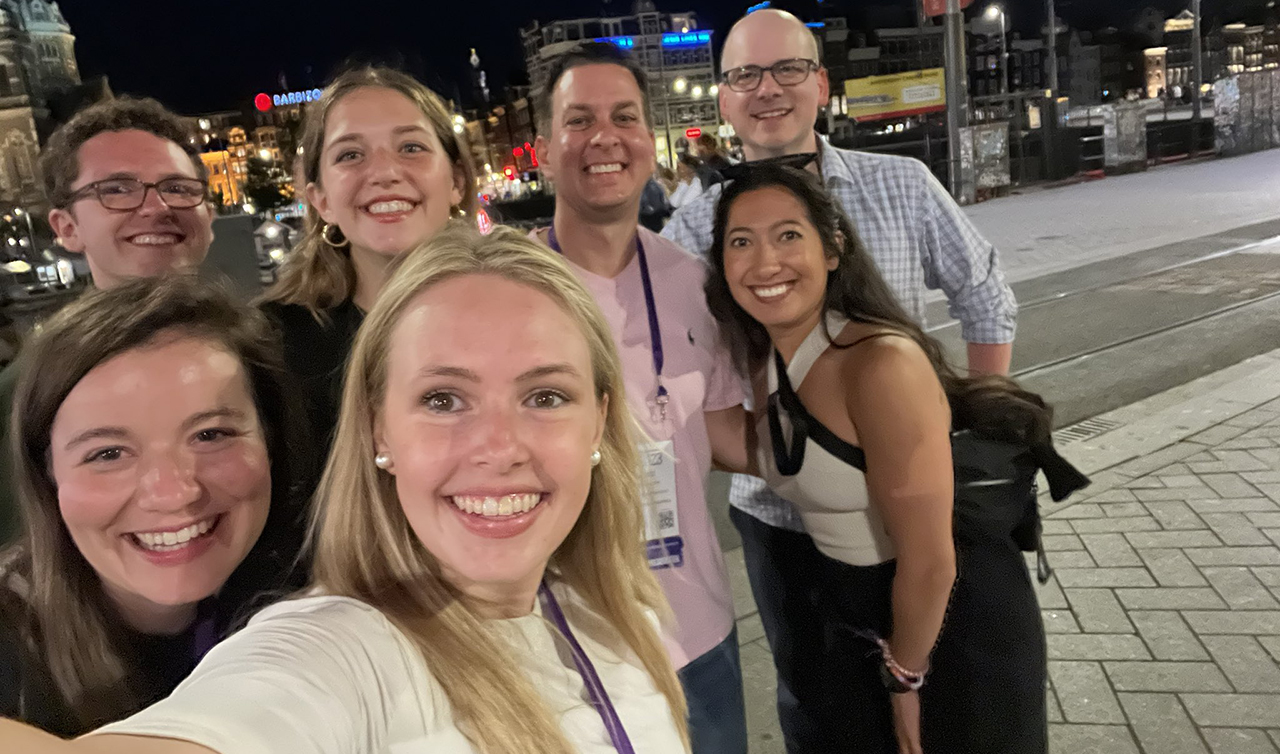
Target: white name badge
<point>661,515</point>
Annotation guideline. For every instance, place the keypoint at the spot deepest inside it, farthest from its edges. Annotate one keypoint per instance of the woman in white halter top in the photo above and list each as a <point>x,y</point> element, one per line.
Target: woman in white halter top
<point>854,404</point>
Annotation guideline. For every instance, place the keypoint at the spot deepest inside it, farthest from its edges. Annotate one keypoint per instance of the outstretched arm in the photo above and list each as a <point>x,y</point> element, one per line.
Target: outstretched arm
<point>15,736</point>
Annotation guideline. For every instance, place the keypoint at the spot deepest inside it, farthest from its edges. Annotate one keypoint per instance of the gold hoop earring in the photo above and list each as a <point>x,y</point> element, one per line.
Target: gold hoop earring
<point>326,233</point>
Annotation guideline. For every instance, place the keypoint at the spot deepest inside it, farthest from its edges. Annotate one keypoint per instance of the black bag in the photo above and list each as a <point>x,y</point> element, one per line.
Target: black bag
<point>996,491</point>
<point>995,481</point>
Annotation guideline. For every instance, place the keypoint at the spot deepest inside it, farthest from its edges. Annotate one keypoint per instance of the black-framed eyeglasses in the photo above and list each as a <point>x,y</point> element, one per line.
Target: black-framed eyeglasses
<point>788,72</point>
<point>130,193</point>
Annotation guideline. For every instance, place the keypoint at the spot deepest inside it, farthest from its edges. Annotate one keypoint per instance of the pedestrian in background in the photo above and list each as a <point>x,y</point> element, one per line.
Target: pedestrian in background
<point>714,157</point>
<point>655,207</point>
<point>690,186</point>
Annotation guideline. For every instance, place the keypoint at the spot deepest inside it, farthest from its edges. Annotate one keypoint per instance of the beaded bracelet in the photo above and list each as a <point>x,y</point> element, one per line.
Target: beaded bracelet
<point>909,680</point>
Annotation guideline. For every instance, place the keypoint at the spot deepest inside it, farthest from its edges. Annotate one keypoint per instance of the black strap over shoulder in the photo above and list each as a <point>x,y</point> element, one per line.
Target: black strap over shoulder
<point>803,427</point>
<point>994,480</point>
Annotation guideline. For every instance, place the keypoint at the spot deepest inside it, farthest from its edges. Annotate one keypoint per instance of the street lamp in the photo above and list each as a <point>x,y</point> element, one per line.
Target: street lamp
<point>679,85</point>
<point>990,14</point>
<point>264,154</point>
<point>697,92</point>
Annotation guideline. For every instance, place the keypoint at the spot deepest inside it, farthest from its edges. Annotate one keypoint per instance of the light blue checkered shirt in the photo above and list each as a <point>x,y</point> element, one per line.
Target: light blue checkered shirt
<point>920,240</point>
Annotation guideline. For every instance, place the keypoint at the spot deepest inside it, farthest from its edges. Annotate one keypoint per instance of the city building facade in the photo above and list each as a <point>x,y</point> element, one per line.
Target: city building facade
<point>37,64</point>
<point>267,128</point>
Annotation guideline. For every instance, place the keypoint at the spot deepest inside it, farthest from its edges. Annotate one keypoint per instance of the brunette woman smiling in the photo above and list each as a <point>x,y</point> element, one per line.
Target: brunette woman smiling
<point>888,454</point>
<point>156,456</point>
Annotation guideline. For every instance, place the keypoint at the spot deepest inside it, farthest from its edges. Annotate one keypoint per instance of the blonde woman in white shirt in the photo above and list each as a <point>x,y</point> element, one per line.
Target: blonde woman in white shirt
<point>480,584</point>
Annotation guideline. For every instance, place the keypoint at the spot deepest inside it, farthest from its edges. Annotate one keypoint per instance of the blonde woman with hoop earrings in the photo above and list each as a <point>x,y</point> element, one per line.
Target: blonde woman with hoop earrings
<point>480,580</point>
<point>383,171</point>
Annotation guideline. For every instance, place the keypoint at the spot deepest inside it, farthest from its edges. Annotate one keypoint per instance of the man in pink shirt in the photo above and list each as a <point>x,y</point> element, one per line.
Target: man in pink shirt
<point>597,147</point>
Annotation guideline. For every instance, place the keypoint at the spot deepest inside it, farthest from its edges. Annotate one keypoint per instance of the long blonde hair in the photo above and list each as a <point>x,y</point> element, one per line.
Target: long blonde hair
<point>319,275</point>
<point>365,549</point>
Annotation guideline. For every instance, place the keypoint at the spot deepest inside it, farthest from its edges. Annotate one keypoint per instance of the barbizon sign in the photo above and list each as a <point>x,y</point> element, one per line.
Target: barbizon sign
<point>896,95</point>
<point>265,102</point>
<point>296,98</point>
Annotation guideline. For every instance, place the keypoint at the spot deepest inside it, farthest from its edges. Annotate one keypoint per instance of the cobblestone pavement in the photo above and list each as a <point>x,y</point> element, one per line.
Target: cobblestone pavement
<point>1163,615</point>
<point>1163,619</point>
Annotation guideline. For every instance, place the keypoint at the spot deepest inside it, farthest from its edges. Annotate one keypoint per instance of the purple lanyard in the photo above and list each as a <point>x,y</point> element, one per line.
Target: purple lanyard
<point>599,697</point>
<point>655,334</point>
<point>206,633</point>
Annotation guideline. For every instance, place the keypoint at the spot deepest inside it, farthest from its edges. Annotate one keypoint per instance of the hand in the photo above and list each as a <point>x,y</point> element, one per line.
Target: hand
<point>906,721</point>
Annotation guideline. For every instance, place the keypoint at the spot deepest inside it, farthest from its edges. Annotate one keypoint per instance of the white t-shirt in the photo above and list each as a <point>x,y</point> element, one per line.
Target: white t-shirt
<point>331,675</point>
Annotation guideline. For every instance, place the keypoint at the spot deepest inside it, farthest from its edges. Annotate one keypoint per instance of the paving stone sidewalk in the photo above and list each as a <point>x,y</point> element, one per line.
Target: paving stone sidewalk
<point>1164,611</point>
<point>1163,615</point>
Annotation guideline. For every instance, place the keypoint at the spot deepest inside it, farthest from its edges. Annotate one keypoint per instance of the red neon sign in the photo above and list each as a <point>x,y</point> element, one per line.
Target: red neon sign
<point>262,102</point>
<point>693,133</point>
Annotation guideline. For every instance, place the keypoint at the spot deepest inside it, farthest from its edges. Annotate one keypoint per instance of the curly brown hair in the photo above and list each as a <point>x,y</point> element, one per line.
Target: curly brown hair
<point>59,162</point>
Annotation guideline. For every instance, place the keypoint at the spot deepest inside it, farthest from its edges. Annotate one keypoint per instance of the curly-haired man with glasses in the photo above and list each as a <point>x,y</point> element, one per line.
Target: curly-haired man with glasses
<point>127,191</point>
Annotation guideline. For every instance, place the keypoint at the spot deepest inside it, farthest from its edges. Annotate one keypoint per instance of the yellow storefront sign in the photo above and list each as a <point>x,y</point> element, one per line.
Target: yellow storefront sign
<point>896,95</point>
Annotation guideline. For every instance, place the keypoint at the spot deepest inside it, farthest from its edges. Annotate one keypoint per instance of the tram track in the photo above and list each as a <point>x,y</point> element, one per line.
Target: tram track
<point>1225,310</point>
<point>1097,338</point>
<point>1044,300</point>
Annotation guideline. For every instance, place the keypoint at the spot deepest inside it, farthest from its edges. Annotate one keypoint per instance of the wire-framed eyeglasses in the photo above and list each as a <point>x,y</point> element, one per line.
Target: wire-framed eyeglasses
<point>124,194</point>
<point>788,72</point>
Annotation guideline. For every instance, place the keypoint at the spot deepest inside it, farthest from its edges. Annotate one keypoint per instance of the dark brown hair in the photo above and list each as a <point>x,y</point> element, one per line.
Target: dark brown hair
<point>69,619</point>
<point>60,163</point>
<point>709,141</point>
<point>588,53</point>
<point>990,405</point>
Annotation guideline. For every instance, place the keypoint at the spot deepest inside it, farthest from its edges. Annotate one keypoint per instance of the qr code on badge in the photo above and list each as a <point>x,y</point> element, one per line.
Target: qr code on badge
<point>666,520</point>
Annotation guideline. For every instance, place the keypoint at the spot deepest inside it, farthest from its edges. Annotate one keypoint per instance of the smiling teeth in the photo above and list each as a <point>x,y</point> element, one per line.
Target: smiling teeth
<point>507,505</point>
<point>155,239</point>
<point>772,291</point>
<point>387,208</point>
<point>612,167</point>
<point>167,541</point>
<point>772,114</point>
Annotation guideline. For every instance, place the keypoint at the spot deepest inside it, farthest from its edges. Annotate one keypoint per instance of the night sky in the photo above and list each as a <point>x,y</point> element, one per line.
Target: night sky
<point>206,55</point>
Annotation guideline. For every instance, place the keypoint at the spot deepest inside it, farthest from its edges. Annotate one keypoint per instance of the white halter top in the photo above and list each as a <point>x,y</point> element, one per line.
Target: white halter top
<point>829,489</point>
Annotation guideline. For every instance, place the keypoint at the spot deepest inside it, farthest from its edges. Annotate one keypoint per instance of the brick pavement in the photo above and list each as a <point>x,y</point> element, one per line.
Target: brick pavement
<point>1164,611</point>
<point>1163,615</point>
